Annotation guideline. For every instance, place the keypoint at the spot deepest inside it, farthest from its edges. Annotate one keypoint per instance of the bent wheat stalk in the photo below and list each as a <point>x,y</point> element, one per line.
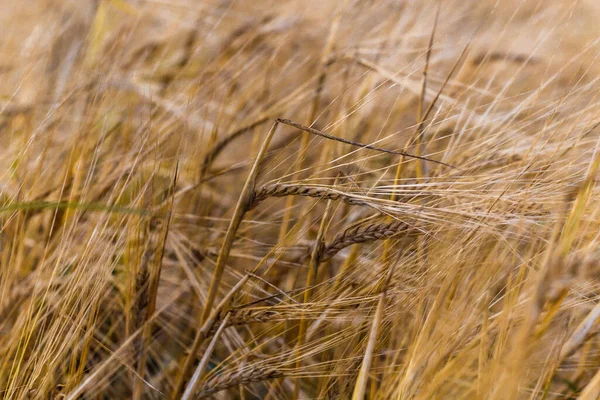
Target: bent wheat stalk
<point>218,147</point>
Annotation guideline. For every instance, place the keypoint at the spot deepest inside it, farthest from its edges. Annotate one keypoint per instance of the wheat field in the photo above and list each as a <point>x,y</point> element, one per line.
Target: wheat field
<point>310,199</point>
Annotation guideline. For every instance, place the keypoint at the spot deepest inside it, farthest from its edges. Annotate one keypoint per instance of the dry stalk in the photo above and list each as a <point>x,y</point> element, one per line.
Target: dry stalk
<point>315,260</point>
<point>147,290</point>
<point>140,308</point>
<point>363,375</point>
<point>592,390</point>
<point>195,380</point>
<point>421,166</point>
<point>202,334</point>
<point>361,381</point>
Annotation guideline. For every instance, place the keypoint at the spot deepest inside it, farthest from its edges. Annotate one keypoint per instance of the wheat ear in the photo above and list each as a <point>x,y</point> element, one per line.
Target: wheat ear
<point>362,234</point>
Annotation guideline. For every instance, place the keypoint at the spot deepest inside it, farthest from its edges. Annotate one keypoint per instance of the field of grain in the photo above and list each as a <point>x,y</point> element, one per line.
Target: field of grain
<point>310,199</point>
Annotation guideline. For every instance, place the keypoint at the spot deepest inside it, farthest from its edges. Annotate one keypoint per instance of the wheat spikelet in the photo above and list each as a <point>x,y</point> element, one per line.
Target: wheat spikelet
<point>284,190</point>
<point>361,234</point>
<point>231,379</point>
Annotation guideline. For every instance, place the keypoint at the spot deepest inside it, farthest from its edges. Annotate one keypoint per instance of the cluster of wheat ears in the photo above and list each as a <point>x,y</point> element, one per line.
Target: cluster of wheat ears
<point>346,199</point>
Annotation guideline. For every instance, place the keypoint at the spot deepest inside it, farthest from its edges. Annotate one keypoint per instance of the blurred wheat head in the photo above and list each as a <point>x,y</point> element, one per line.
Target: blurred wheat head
<point>299,199</point>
